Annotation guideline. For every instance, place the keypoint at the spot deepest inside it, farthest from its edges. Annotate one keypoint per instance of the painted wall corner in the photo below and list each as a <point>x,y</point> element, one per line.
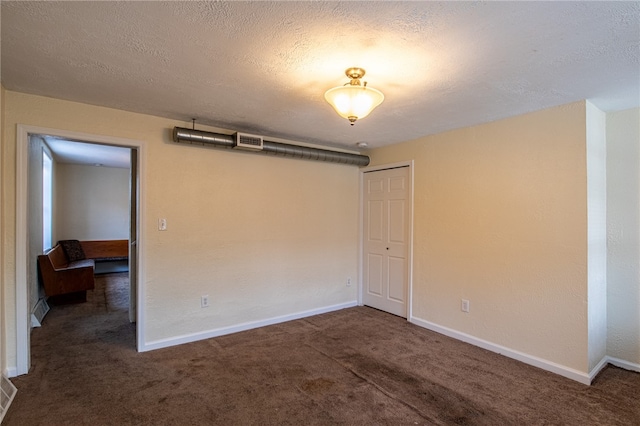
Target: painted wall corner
<point>623,235</point>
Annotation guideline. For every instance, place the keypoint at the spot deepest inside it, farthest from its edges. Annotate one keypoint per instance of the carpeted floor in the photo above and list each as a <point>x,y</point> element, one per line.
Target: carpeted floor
<point>357,366</point>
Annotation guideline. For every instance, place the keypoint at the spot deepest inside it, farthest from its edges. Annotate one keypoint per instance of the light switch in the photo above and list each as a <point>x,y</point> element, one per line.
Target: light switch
<point>162,224</point>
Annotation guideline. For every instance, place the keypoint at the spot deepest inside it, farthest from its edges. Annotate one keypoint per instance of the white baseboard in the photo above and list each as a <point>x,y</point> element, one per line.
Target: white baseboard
<point>11,371</point>
<point>544,364</point>
<point>623,364</point>
<point>598,368</point>
<point>188,338</point>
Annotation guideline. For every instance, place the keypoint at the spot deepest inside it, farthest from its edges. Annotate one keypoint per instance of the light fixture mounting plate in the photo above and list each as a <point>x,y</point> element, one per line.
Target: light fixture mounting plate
<point>355,73</point>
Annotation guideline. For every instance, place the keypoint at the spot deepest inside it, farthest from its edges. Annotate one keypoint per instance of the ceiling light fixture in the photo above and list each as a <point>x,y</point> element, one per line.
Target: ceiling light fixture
<point>354,100</point>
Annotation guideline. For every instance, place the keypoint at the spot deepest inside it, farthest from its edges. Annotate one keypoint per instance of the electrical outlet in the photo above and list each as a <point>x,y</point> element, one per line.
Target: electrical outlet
<point>162,224</point>
<point>204,301</point>
<point>465,305</point>
<point>349,282</point>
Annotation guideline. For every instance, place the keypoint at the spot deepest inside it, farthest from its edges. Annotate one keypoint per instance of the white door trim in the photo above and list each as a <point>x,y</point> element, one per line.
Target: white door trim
<point>23,361</point>
<point>364,170</point>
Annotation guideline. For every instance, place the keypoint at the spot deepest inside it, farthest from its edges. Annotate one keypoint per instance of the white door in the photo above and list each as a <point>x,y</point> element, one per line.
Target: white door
<point>386,240</point>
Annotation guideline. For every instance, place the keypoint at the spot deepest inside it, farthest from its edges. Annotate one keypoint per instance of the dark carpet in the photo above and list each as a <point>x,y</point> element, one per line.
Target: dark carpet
<point>357,366</point>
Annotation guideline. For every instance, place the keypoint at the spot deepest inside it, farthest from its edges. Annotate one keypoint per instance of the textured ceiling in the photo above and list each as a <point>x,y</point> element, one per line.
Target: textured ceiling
<point>263,67</point>
<point>74,152</point>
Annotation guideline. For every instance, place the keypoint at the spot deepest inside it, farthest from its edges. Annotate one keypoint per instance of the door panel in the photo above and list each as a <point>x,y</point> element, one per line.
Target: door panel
<point>375,186</point>
<point>396,223</point>
<point>397,269</point>
<point>375,273</point>
<point>375,220</point>
<point>386,240</point>
<point>397,184</point>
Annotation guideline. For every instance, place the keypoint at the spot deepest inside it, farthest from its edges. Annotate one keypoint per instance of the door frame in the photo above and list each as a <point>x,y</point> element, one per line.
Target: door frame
<point>410,164</point>
<point>22,309</point>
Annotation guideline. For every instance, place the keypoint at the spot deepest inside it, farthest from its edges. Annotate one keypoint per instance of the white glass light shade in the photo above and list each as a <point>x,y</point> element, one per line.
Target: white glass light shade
<point>353,102</point>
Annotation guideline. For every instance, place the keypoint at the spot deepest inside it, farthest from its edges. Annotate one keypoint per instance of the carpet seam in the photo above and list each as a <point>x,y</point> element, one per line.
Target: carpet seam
<point>378,387</point>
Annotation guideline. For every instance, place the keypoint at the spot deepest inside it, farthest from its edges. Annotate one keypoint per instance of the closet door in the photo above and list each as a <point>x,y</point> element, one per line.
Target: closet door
<point>386,240</point>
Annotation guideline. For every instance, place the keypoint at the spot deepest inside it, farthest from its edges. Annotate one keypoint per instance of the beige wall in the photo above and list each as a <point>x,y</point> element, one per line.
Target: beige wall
<point>500,219</point>
<point>92,203</point>
<point>262,236</point>
<point>623,229</point>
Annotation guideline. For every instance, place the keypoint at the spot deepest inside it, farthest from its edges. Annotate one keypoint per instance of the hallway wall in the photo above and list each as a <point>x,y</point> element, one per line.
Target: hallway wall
<point>92,203</point>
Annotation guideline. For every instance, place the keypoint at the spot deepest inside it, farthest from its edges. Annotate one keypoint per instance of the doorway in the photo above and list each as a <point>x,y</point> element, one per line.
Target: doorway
<point>387,207</point>
<point>134,152</point>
